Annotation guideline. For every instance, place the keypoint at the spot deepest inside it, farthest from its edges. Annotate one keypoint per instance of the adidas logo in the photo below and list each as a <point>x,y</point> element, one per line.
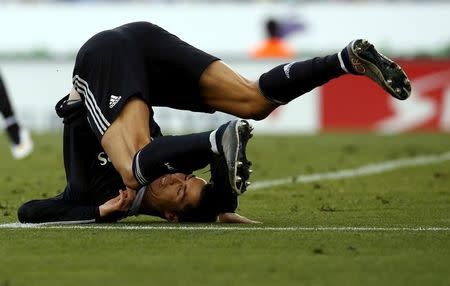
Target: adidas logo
<point>287,69</point>
<point>113,100</point>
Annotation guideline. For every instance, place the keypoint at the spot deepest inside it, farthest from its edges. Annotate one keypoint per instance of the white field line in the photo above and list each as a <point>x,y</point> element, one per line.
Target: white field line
<point>370,169</point>
<point>122,226</point>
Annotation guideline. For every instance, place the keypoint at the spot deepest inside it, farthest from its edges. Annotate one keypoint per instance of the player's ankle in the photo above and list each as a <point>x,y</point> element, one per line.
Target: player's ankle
<point>215,138</point>
<point>344,61</point>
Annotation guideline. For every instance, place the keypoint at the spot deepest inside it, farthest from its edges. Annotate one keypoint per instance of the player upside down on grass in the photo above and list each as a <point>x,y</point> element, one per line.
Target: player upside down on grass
<point>120,74</point>
<point>92,192</point>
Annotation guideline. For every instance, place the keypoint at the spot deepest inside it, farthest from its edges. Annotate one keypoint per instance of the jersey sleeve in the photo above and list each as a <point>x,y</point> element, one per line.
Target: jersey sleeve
<point>56,210</point>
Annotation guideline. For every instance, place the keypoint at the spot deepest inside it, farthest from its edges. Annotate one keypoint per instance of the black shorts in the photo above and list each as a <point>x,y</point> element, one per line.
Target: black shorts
<point>138,59</point>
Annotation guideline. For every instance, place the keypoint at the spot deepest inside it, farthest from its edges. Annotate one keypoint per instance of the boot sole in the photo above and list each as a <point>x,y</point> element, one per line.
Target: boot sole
<point>390,76</point>
<point>240,166</point>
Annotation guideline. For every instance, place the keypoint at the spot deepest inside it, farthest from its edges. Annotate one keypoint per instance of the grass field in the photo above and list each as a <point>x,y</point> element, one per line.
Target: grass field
<point>393,213</point>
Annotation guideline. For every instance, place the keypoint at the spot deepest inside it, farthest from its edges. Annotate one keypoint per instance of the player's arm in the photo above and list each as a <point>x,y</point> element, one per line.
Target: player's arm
<point>117,205</point>
<point>56,210</point>
<point>225,200</point>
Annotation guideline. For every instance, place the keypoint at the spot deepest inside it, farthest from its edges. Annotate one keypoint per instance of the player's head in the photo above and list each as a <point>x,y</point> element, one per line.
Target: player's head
<point>272,28</point>
<point>180,197</point>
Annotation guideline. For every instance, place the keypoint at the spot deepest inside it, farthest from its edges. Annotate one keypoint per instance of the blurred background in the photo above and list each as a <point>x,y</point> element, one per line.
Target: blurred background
<point>40,38</point>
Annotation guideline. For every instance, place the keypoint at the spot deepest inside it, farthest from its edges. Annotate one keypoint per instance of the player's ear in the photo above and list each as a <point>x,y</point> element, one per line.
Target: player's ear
<point>171,216</point>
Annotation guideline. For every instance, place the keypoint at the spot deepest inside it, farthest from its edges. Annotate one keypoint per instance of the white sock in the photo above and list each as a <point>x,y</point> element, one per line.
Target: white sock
<point>10,121</point>
<point>212,140</point>
<point>341,62</point>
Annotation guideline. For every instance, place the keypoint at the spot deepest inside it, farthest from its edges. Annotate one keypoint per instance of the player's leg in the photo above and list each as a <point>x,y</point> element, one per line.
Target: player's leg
<point>139,159</point>
<point>12,127</point>
<point>115,94</point>
<point>126,135</point>
<point>225,90</point>
<point>131,150</point>
<point>21,143</point>
<point>187,153</point>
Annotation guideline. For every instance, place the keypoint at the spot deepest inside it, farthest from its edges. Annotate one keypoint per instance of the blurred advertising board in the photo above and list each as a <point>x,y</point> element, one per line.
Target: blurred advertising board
<point>357,103</point>
<point>347,103</point>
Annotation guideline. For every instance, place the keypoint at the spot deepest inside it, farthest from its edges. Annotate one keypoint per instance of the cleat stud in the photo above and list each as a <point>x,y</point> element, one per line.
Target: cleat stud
<point>398,90</point>
<point>238,179</point>
<point>389,81</point>
<point>248,183</point>
<point>244,123</point>
<point>239,164</point>
<point>250,171</point>
<point>406,81</point>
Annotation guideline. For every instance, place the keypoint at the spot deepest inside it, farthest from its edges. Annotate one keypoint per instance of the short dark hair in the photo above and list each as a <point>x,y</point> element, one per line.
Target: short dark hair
<point>272,28</point>
<point>205,211</point>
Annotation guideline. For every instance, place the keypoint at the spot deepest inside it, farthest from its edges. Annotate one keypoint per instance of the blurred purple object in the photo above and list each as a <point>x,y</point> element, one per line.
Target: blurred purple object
<point>290,26</point>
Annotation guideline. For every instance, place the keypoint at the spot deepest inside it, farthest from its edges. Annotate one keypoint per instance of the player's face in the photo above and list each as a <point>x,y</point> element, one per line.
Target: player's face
<point>175,191</point>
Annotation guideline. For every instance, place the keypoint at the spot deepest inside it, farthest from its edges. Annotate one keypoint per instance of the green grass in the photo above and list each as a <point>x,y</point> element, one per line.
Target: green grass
<point>407,197</point>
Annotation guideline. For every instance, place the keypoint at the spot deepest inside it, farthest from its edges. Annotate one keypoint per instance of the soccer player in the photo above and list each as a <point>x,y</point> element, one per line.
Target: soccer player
<point>21,143</point>
<point>94,188</point>
<point>121,73</point>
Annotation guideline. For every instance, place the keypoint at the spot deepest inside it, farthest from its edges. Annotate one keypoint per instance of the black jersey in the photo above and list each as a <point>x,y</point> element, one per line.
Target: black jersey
<point>91,178</point>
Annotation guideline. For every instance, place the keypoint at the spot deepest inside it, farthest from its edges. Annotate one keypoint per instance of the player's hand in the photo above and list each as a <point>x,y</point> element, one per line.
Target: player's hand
<point>121,203</point>
<point>234,218</point>
<point>129,196</point>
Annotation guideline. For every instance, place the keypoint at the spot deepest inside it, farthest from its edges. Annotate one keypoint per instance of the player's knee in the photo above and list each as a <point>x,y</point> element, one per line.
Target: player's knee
<point>261,116</point>
<point>256,106</point>
<point>129,178</point>
<point>258,114</point>
<point>256,109</point>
